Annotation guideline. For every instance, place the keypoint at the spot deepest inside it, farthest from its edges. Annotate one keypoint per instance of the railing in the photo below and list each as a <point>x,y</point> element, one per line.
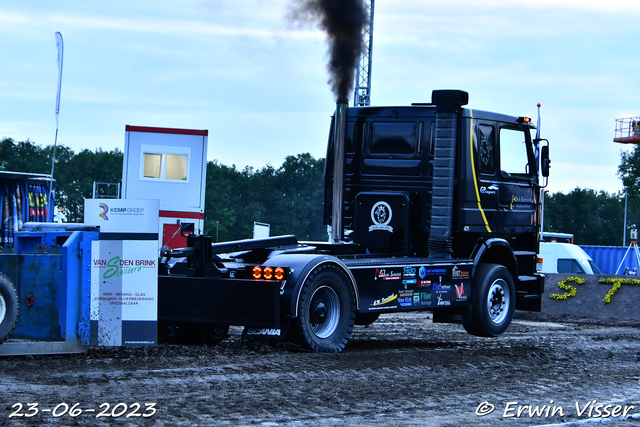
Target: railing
<point>628,127</point>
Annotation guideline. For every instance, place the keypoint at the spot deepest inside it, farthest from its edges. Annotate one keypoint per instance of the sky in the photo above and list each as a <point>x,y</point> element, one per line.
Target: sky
<point>258,82</point>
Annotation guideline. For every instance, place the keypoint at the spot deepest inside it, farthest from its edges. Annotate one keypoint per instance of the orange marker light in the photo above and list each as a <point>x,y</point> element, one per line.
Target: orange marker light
<point>279,273</point>
<point>268,273</point>
<point>257,272</point>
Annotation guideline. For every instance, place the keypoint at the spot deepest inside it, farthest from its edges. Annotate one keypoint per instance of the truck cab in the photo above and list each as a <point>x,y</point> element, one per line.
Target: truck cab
<point>390,154</point>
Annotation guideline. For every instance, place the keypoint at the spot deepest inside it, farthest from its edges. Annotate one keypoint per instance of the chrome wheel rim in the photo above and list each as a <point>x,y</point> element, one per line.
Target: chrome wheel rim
<point>3,308</point>
<point>498,300</point>
<point>324,312</point>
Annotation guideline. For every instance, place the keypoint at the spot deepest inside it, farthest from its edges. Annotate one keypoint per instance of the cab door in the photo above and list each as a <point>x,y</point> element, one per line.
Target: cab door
<point>498,183</point>
<point>478,179</point>
<point>517,176</point>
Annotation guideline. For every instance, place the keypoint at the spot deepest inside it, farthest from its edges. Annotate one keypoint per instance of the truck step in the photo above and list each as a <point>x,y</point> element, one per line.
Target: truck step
<point>524,253</point>
<point>529,302</point>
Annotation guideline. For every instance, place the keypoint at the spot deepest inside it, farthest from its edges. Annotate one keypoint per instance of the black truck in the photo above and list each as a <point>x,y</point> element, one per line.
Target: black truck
<point>432,207</point>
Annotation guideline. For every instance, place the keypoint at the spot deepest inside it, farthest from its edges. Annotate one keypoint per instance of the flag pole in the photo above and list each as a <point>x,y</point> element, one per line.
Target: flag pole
<point>60,47</point>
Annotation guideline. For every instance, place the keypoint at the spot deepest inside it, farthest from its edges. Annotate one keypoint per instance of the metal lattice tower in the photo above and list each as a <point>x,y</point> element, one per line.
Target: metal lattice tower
<point>362,95</point>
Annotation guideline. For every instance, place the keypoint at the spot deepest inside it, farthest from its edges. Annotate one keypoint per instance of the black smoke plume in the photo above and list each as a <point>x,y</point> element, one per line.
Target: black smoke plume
<point>342,20</point>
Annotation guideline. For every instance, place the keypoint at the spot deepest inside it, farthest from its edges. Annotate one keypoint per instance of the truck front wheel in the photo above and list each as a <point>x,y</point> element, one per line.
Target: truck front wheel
<point>494,301</point>
<point>326,310</point>
<point>8,308</point>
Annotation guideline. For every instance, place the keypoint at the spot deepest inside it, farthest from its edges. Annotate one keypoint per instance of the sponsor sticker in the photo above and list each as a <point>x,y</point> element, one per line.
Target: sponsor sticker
<point>443,302</point>
<point>120,210</point>
<point>409,271</point>
<point>424,298</point>
<point>385,302</point>
<point>405,299</point>
<point>492,189</point>
<point>383,274</point>
<point>456,273</point>
<point>116,266</point>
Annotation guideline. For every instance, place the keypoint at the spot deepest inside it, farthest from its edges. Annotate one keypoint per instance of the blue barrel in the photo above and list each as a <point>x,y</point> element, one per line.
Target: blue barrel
<point>24,198</point>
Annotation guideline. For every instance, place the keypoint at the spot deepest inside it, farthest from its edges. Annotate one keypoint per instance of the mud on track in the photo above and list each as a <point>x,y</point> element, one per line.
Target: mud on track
<point>402,370</point>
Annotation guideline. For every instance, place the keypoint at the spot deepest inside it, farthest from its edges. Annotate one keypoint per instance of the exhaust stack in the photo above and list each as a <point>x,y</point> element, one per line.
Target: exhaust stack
<point>448,104</point>
<point>339,132</point>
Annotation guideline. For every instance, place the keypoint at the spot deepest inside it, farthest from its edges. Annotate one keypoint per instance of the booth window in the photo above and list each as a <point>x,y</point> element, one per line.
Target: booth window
<point>152,165</point>
<point>164,163</point>
<point>176,166</point>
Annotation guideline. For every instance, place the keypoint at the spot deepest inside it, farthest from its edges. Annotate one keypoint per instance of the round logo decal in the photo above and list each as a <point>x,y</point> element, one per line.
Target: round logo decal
<point>381,214</point>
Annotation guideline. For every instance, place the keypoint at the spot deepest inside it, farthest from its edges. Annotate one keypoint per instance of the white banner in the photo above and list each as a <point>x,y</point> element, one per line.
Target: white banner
<point>60,47</point>
<point>124,292</point>
<point>124,271</point>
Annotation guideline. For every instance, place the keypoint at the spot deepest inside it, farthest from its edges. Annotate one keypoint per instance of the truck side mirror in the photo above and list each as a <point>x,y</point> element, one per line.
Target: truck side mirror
<point>545,161</point>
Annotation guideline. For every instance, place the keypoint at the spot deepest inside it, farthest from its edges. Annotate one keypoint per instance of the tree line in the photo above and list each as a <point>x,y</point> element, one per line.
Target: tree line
<point>289,198</point>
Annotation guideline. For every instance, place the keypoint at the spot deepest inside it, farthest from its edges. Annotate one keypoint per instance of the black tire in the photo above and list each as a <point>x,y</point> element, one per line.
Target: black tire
<point>326,310</point>
<point>364,319</point>
<point>8,308</point>
<point>494,301</point>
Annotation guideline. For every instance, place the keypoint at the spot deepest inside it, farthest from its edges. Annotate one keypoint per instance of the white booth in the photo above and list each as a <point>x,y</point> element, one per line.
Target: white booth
<point>169,165</point>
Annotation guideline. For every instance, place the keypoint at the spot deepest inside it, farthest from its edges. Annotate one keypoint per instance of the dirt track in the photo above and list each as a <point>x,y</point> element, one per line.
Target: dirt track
<point>402,370</point>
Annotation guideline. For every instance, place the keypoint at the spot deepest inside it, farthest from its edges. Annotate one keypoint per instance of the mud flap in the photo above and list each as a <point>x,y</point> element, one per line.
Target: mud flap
<point>458,315</point>
<point>223,301</point>
<point>263,333</point>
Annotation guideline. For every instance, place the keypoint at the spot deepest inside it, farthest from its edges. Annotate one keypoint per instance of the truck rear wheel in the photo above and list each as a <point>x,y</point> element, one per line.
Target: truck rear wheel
<point>8,308</point>
<point>494,301</point>
<point>326,310</point>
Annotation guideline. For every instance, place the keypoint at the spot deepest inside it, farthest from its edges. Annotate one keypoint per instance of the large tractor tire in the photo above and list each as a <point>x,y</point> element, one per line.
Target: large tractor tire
<point>326,310</point>
<point>494,301</point>
<point>8,308</point>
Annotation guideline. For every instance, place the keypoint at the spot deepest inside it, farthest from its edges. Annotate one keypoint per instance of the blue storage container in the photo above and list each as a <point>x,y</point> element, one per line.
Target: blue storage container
<point>610,258</point>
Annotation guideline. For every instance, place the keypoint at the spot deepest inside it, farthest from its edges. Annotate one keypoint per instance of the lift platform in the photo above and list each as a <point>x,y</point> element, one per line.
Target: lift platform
<point>627,130</point>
